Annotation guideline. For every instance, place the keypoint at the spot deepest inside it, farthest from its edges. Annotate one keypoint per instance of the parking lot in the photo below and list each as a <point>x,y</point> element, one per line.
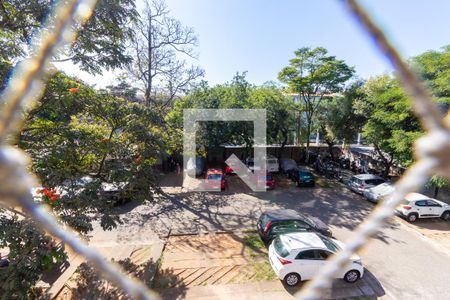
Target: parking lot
<point>394,269</point>
<point>218,259</point>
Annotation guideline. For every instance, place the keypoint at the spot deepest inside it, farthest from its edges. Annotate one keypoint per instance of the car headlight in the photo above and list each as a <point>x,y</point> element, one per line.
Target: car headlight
<point>358,261</point>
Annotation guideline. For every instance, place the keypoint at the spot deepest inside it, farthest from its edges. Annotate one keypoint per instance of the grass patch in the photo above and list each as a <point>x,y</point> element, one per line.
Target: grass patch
<point>322,182</point>
<point>253,241</point>
<point>263,271</point>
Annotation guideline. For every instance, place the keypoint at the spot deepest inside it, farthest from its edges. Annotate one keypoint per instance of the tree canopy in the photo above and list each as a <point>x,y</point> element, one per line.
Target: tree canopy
<point>313,75</point>
<point>100,43</point>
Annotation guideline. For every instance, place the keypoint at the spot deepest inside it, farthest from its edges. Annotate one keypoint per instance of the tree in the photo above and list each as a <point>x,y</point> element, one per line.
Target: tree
<point>123,89</point>
<point>337,119</point>
<point>279,108</point>
<point>391,124</point>
<point>76,131</point>
<point>31,252</point>
<point>434,67</point>
<point>238,93</point>
<point>437,183</point>
<point>313,76</point>
<point>159,45</point>
<point>100,43</point>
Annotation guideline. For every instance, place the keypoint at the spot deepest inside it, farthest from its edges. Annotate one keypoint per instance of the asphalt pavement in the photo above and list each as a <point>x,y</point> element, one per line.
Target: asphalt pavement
<point>403,263</point>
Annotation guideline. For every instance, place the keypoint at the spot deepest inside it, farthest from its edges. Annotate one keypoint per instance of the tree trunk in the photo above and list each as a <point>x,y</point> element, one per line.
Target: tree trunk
<point>330,148</point>
<point>102,162</point>
<point>282,146</point>
<point>308,133</point>
<point>436,192</point>
<point>148,90</point>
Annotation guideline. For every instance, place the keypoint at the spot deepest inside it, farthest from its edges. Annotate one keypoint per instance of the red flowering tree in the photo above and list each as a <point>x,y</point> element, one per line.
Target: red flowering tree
<point>50,196</point>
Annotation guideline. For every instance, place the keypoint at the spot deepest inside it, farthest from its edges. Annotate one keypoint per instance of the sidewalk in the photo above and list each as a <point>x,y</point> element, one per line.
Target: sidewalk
<point>138,254</point>
<point>270,290</point>
<point>257,290</point>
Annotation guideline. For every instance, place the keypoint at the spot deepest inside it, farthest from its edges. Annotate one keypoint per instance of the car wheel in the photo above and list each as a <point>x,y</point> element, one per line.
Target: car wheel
<point>446,216</point>
<point>292,279</point>
<point>411,217</point>
<point>352,276</point>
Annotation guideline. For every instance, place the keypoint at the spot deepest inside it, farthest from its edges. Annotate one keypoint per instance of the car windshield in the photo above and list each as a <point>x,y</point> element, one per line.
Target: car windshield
<point>332,246</point>
<point>305,173</point>
<point>374,181</point>
<point>280,249</point>
<point>214,176</point>
<point>308,221</point>
<point>264,220</point>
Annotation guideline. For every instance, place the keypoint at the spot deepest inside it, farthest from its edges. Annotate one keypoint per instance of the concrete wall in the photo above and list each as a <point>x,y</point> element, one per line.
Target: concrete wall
<point>219,155</point>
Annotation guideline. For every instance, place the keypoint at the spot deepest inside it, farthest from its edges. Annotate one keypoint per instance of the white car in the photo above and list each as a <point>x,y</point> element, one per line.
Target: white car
<point>376,193</point>
<point>299,256</point>
<point>272,165</point>
<point>416,206</point>
<point>361,182</point>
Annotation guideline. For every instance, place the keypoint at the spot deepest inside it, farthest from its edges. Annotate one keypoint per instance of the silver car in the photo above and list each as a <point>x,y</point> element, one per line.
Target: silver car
<point>359,183</point>
<point>376,193</point>
<point>287,164</point>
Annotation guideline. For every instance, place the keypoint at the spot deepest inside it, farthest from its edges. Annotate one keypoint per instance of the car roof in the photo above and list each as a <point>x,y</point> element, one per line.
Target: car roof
<point>367,176</point>
<point>260,172</point>
<point>416,197</point>
<point>302,240</point>
<point>383,186</point>
<point>287,159</point>
<point>214,171</point>
<point>283,214</point>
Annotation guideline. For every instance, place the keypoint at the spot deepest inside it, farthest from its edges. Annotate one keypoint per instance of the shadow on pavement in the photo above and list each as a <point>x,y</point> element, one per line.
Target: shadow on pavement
<point>367,287</point>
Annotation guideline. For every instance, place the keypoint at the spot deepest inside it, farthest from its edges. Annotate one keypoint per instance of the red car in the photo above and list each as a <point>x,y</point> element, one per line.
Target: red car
<point>231,170</point>
<point>215,178</point>
<point>268,179</point>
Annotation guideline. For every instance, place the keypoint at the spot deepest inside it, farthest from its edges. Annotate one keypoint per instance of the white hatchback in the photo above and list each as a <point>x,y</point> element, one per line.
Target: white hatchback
<point>299,256</point>
<point>416,206</point>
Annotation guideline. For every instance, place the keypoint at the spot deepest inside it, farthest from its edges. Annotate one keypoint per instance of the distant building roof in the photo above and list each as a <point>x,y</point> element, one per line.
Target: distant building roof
<point>366,150</point>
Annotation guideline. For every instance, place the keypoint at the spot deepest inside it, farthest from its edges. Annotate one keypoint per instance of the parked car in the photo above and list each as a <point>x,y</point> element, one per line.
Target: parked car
<point>195,166</point>
<point>266,179</point>
<point>359,183</point>
<point>231,167</point>
<point>287,164</point>
<point>416,206</point>
<point>116,193</point>
<point>376,193</point>
<point>299,256</point>
<point>280,221</point>
<point>302,177</point>
<point>215,179</point>
<point>271,164</point>
<point>344,162</point>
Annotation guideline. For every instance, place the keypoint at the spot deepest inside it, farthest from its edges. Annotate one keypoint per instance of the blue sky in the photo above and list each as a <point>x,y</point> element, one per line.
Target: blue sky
<point>261,36</point>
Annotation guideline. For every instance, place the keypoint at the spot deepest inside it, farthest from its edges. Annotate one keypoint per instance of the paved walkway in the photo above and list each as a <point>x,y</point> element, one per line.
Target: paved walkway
<point>138,254</point>
<point>221,266</point>
<point>271,290</point>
